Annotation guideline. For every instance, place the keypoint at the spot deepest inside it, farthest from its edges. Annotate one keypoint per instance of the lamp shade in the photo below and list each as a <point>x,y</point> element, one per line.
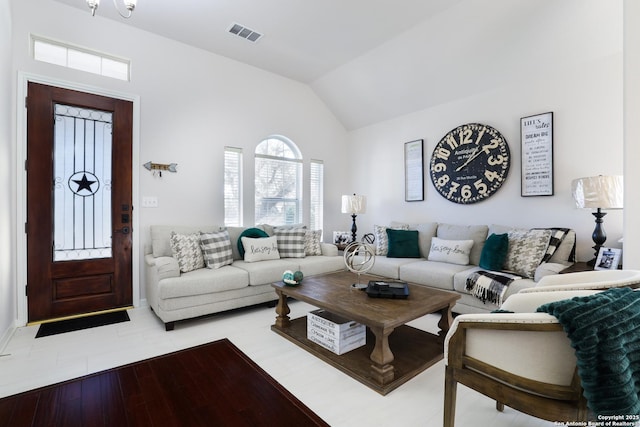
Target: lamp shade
<point>602,191</point>
<point>354,204</point>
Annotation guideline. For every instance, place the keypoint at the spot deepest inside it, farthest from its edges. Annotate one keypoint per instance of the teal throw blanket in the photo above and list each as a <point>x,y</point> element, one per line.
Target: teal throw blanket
<point>604,330</point>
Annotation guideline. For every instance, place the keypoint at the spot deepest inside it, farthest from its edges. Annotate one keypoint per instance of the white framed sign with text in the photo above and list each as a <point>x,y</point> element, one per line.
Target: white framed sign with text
<point>536,136</point>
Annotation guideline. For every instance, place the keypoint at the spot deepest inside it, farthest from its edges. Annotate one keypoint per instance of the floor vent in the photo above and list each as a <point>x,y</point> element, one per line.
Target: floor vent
<point>244,32</point>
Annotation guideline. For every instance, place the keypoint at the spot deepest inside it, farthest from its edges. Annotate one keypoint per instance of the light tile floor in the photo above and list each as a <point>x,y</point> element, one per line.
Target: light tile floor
<point>28,363</point>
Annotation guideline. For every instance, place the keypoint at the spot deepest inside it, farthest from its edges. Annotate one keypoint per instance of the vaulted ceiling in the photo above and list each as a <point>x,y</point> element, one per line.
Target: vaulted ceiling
<point>371,60</point>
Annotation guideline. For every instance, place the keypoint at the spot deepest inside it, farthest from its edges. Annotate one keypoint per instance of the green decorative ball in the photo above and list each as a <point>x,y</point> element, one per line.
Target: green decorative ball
<point>298,276</point>
<point>287,276</point>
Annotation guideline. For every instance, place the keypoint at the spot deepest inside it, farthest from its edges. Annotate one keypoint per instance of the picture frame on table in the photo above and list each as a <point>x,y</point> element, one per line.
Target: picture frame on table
<point>536,139</point>
<point>341,237</point>
<point>608,259</point>
<point>413,171</point>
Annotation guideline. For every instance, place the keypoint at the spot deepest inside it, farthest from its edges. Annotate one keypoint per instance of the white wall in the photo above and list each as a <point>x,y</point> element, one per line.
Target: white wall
<point>192,104</point>
<point>582,86</point>
<point>7,171</point>
<point>631,251</point>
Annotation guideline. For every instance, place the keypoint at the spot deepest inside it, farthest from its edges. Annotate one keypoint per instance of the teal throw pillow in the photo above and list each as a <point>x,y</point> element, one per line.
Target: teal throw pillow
<point>403,244</point>
<point>254,233</point>
<point>494,252</point>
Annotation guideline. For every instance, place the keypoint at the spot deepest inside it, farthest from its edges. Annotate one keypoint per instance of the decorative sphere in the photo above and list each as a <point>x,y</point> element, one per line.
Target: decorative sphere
<point>359,257</point>
<point>288,277</point>
<point>298,276</point>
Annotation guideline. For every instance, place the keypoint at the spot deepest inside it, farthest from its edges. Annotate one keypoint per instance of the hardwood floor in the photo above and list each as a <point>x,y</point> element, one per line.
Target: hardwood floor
<point>213,384</point>
<point>27,363</point>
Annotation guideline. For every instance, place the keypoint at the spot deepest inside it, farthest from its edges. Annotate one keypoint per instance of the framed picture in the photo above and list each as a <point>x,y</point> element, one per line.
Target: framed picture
<point>413,171</point>
<point>608,259</point>
<point>536,138</point>
<point>341,237</point>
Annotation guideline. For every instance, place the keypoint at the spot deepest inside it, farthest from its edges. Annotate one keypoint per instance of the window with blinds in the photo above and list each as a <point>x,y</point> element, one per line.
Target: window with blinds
<point>278,182</point>
<point>232,187</point>
<point>316,195</point>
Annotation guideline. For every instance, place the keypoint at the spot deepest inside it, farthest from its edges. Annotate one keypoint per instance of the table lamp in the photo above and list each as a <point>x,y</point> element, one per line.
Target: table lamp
<point>598,192</point>
<point>354,205</point>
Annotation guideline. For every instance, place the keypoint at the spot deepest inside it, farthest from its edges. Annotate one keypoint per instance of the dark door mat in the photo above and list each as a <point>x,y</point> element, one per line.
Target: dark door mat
<point>70,325</point>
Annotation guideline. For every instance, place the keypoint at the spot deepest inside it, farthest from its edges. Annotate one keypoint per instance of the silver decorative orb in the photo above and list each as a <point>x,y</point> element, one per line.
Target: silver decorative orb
<point>359,257</point>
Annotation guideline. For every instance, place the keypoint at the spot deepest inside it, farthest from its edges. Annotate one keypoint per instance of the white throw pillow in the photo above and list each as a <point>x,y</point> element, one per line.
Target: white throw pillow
<point>260,249</point>
<point>450,251</point>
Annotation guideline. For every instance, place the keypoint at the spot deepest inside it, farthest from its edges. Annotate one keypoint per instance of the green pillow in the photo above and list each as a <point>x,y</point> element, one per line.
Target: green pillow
<point>494,252</point>
<point>403,244</point>
<point>249,232</point>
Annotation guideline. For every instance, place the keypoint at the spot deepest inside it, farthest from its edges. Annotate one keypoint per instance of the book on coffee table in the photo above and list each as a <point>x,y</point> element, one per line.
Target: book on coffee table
<point>387,289</point>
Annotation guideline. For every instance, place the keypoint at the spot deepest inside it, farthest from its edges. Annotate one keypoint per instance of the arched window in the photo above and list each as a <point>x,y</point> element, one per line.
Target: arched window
<point>278,182</point>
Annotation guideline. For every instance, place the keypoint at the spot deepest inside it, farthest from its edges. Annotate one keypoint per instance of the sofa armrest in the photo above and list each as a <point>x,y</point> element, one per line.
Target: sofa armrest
<point>548,269</point>
<point>528,302</point>
<point>164,266</point>
<point>329,249</point>
<point>587,280</point>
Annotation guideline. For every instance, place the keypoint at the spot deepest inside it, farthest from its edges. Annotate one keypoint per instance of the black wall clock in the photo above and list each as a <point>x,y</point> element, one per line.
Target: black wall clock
<point>470,163</point>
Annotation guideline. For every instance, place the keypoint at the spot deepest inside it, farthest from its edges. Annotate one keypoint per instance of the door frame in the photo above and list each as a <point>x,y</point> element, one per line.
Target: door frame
<point>21,182</point>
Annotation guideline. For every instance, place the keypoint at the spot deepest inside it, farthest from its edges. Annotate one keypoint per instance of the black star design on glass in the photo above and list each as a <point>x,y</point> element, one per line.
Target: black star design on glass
<point>84,184</point>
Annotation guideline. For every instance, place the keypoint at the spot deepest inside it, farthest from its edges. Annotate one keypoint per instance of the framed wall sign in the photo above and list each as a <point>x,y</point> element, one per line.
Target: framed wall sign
<point>413,171</point>
<point>536,136</point>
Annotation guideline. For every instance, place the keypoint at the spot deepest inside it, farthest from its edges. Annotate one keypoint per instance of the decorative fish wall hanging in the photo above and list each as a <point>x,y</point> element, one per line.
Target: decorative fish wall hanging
<point>159,167</point>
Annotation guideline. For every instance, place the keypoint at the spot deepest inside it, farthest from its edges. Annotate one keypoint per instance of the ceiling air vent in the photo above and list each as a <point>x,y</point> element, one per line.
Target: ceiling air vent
<point>245,33</point>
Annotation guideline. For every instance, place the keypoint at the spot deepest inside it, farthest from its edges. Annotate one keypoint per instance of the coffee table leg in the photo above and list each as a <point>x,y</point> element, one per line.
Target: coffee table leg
<point>282,309</point>
<point>446,319</point>
<point>382,370</point>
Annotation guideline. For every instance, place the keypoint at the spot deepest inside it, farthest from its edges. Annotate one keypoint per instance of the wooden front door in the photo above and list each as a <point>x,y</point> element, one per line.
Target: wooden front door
<point>79,186</point>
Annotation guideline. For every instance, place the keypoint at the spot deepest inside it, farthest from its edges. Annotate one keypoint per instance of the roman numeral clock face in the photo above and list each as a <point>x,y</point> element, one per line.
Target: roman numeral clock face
<point>470,163</point>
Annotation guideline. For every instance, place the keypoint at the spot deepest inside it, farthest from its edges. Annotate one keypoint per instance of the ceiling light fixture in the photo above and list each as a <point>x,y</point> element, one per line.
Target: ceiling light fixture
<point>128,4</point>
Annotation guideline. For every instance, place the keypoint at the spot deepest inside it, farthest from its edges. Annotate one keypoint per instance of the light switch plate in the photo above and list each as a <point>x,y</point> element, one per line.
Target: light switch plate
<point>149,202</point>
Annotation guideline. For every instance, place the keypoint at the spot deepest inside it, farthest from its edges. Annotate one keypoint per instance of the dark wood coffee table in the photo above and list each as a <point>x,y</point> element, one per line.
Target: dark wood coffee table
<point>374,364</point>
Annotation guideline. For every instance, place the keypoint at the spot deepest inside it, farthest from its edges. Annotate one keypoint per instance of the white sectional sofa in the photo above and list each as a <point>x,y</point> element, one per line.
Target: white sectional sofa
<point>175,295</point>
<point>450,276</point>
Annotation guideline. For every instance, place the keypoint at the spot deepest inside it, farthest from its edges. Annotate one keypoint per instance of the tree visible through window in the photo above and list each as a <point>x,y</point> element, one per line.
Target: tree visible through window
<point>278,182</point>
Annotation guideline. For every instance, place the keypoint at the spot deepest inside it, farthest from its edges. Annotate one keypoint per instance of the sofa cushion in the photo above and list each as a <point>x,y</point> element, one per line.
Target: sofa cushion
<point>450,251</point>
<point>186,249</point>
<point>431,273</point>
<point>403,244</point>
<point>494,252</point>
<point>252,232</point>
<point>312,243</point>
<point>290,241</point>
<point>389,267</point>
<point>526,250</point>
<point>203,281</point>
<point>477,233</point>
<point>260,249</point>
<point>316,264</point>
<point>267,271</point>
<point>216,249</point>
<point>382,240</point>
